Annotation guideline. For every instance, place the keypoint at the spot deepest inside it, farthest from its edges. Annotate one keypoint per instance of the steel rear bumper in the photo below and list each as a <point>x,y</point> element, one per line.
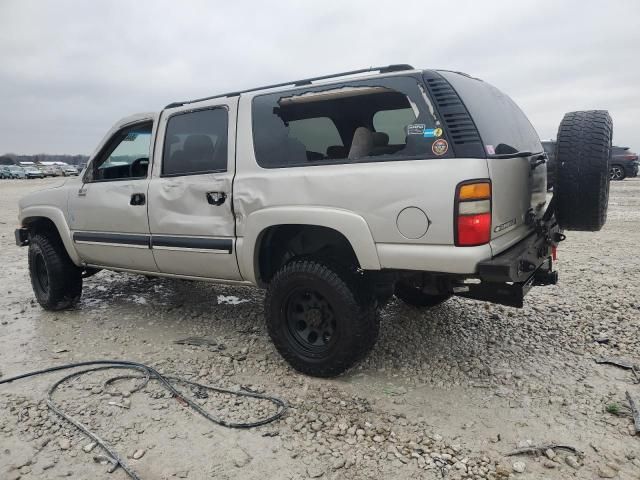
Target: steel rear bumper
<point>517,263</point>
<point>509,276</point>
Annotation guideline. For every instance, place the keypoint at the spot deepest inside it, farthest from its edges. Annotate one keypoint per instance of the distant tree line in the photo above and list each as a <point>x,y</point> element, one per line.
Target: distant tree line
<point>11,158</point>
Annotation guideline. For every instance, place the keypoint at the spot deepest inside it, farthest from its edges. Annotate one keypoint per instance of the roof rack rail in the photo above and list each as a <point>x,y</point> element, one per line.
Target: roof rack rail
<point>297,83</point>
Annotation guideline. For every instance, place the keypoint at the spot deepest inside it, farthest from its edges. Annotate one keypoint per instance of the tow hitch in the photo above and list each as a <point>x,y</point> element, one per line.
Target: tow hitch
<point>508,277</point>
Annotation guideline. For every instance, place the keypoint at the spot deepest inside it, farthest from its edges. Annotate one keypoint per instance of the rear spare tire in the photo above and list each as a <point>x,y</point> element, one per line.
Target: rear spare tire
<point>583,154</point>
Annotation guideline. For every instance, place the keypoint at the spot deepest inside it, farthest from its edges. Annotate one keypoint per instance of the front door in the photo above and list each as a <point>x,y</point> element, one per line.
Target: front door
<point>108,212</point>
<point>190,210</point>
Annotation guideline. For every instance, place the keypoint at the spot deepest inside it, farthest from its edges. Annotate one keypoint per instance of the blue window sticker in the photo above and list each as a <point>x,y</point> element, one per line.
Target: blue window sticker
<point>429,133</point>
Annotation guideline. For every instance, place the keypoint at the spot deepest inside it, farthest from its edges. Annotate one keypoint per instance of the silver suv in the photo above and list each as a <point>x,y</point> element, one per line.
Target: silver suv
<point>333,193</point>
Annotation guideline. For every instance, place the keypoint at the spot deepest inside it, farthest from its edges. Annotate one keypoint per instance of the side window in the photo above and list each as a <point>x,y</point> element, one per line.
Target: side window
<point>125,156</point>
<point>394,123</point>
<point>195,143</point>
<point>319,135</point>
<point>360,121</point>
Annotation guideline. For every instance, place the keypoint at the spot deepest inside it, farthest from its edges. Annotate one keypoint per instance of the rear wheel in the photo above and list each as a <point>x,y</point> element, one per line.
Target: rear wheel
<point>56,281</point>
<point>321,318</point>
<point>616,172</point>
<point>411,294</point>
<point>581,187</point>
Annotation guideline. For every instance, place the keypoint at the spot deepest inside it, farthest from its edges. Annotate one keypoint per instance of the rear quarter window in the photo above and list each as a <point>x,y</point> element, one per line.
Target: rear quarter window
<point>373,120</point>
<point>502,125</point>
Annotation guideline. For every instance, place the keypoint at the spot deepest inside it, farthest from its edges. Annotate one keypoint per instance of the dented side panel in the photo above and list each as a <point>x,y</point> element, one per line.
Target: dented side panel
<point>189,234</point>
<point>376,192</point>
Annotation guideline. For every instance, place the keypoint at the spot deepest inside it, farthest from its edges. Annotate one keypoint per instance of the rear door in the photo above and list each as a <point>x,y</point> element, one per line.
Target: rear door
<point>191,219</point>
<point>514,158</point>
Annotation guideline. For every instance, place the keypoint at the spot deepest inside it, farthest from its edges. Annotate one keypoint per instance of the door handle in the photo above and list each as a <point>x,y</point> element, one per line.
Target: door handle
<point>137,199</point>
<point>216,198</point>
<point>82,192</point>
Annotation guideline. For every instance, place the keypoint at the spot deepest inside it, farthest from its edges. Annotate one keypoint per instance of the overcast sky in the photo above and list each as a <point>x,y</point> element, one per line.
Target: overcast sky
<point>70,69</point>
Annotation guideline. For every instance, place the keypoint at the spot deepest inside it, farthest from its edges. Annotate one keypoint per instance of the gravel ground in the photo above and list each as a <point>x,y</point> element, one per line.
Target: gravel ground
<point>446,393</point>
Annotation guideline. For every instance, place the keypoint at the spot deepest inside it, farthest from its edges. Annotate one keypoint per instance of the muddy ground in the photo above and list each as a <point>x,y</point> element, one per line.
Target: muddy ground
<point>447,393</point>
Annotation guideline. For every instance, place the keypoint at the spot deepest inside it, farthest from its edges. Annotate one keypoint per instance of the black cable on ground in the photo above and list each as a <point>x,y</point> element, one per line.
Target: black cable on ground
<point>149,373</point>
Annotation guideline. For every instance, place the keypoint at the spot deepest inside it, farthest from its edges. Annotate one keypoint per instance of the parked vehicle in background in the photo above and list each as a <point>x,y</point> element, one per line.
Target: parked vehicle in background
<point>17,172</point>
<point>550,149</point>
<point>33,172</point>
<point>624,163</point>
<point>49,170</point>
<point>333,193</point>
<point>4,172</point>
<point>69,170</point>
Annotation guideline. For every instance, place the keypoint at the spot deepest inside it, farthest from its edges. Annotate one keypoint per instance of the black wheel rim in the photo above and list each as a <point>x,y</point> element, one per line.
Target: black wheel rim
<point>41,274</point>
<point>311,321</point>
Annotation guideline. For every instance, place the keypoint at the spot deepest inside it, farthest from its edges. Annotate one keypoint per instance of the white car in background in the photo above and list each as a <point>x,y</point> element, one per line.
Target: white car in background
<point>69,170</point>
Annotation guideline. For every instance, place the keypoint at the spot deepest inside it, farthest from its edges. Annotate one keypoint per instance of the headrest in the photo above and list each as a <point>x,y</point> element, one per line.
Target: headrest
<point>198,143</point>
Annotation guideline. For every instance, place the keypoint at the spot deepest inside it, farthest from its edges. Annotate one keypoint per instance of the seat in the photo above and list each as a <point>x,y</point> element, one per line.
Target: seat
<point>380,143</point>
<point>336,152</point>
<point>362,143</point>
<point>198,153</point>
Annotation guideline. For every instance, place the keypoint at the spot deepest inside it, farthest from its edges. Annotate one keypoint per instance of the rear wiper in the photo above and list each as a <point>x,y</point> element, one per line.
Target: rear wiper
<point>510,155</point>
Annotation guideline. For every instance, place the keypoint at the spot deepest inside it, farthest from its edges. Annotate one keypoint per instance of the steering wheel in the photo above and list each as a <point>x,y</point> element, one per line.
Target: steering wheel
<point>139,164</point>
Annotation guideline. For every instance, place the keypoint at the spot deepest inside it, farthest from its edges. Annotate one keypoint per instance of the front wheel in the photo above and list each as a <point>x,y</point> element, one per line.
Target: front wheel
<point>413,295</point>
<point>616,172</point>
<point>321,318</point>
<point>56,281</point>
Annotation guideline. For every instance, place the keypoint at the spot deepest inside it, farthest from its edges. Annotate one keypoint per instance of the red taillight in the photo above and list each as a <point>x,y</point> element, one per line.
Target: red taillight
<point>474,229</point>
<point>473,214</point>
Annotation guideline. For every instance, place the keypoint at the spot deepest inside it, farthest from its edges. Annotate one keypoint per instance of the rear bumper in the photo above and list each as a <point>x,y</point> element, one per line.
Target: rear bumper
<point>509,276</point>
<point>517,263</point>
<point>631,170</point>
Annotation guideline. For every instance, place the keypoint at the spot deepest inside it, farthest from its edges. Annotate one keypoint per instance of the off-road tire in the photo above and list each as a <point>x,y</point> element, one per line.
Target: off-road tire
<point>352,305</point>
<point>56,281</point>
<point>583,154</point>
<point>412,295</point>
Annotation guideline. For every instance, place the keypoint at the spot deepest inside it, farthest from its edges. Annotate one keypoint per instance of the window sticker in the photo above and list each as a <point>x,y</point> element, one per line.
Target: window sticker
<point>440,147</point>
<point>415,129</point>
<point>490,149</point>
<point>429,133</point>
<point>432,132</point>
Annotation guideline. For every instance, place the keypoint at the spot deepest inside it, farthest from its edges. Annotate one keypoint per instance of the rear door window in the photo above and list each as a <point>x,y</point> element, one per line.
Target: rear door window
<point>383,119</point>
<point>195,143</point>
<point>503,127</point>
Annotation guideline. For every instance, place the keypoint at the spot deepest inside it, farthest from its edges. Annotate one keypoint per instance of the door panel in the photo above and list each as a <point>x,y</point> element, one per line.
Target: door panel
<point>190,212</point>
<point>107,229</point>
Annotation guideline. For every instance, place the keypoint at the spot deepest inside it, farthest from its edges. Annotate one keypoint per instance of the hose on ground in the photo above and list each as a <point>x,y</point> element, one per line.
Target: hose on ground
<point>148,373</point>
